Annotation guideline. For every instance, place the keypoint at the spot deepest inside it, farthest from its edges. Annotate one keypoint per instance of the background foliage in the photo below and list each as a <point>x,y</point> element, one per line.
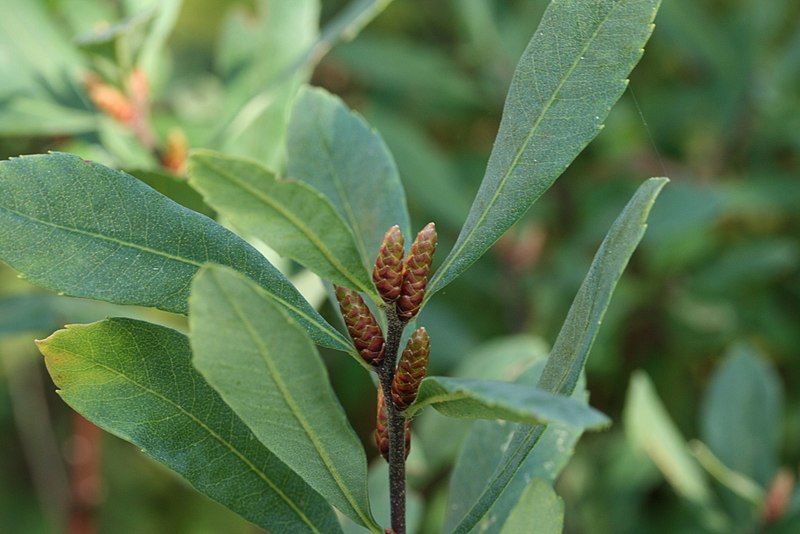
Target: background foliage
<point>714,104</point>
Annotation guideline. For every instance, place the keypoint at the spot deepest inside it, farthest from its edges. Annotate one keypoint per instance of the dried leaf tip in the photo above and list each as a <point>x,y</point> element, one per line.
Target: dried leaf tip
<point>382,430</point>
<point>361,325</point>
<point>388,271</point>
<point>416,270</point>
<point>411,370</point>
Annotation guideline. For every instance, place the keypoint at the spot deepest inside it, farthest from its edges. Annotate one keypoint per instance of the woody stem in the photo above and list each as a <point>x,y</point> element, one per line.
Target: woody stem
<point>396,423</point>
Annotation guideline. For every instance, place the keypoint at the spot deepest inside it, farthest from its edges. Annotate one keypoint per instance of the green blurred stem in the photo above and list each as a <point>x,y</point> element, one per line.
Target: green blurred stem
<point>397,453</point>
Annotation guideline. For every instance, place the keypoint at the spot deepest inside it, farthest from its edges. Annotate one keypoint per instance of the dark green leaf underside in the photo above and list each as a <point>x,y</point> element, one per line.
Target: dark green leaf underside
<point>136,380</point>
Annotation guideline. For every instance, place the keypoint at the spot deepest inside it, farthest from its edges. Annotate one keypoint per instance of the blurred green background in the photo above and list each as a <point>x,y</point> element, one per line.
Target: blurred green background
<point>714,105</point>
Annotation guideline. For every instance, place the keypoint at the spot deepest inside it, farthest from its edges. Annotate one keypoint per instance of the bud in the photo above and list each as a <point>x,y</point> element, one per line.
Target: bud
<point>176,151</point>
<point>415,273</point>
<point>139,87</point>
<point>361,325</point>
<point>388,271</point>
<point>109,99</point>
<point>411,369</point>
<point>382,430</point>
<point>779,496</point>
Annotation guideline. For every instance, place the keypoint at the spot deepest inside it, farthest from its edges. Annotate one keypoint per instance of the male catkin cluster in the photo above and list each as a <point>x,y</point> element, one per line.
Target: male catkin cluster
<point>401,283</point>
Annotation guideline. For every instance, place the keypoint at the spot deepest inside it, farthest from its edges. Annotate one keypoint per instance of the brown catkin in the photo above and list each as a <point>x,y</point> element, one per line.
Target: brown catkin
<point>417,267</point>
<point>411,370</point>
<point>361,325</point>
<point>388,271</point>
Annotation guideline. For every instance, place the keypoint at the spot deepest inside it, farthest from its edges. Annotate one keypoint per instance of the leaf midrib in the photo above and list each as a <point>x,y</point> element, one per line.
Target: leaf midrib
<point>310,235</point>
<point>292,404</point>
<point>142,248</point>
<point>348,208</point>
<point>452,257</point>
<point>263,476</point>
<point>87,233</point>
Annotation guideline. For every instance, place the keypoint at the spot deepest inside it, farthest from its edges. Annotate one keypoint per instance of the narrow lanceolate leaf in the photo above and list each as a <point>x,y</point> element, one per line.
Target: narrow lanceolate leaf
<point>571,74</point>
<point>291,217</point>
<point>265,367</point>
<point>136,380</point>
<point>651,431</point>
<point>335,150</point>
<point>484,449</point>
<point>468,398</point>
<point>85,230</point>
<point>538,505</point>
<point>569,353</point>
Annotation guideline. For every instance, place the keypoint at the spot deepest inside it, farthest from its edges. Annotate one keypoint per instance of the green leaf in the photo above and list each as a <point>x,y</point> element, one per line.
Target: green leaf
<point>500,359</point>
<point>85,230</point>
<point>335,151</point>
<point>494,399</point>
<point>270,373</point>
<point>571,74</point>
<point>741,414</point>
<point>568,357</point>
<point>483,452</point>
<point>289,216</point>
<point>650,430</point>
<point>176,188</point>
<point>25,116</point>
<point>539,505</point>
<point>135,380</point>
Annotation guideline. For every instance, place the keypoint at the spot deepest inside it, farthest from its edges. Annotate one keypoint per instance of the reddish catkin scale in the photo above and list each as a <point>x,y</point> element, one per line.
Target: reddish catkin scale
<point>415,273</point>
<point>361,325</point>
<point>382,430</point>
<point>388,271</point>
<point>411,370</point>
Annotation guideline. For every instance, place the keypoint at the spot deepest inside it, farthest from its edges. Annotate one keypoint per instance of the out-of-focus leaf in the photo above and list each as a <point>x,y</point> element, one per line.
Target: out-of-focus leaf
<point>568,357</point>
<point>652,432</point>
<point>290,216</point>
<point>410,71</point>
<point>566,82</point>
<point>135,380</point>
<point>468,398</point>
<point>36,58</point>
<point>37,313</point>
<point>538,505</point>
<point>85,230</point>
<point>740,484</point>
<point>266,368</point>
<point>336,151</point>
<point>254,53</point>
<point>741,414</point>
<point>22,115</point>
<point>429,174</point>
